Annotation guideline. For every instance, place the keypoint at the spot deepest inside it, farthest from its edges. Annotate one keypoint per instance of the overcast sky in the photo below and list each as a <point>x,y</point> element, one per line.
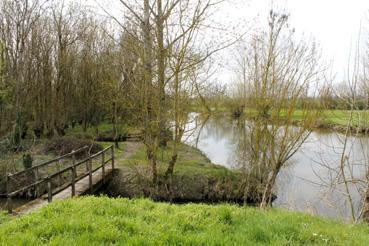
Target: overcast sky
<point>333,24</point>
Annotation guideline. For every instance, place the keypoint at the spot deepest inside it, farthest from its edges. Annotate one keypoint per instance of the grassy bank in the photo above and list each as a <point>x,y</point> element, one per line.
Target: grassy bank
<point>328,119</point>
<point>190,160</point>
<point>339,118</point>
<point>195,178</point>
<point>103,221</point>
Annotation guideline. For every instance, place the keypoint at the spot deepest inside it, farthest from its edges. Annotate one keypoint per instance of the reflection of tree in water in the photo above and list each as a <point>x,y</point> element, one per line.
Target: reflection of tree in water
<point>218,127</point>
<point>342,173</point>
<point>309,183</point>
<point>317,175</point>
<point>241,142</point>
<point>248,159</point>
<point>261,151</point>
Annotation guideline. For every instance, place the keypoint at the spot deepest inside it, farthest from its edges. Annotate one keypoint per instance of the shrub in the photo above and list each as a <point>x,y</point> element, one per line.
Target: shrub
<point>82,135</point>
<point>65,145</point>
<point>108,136</point>
<point>27,161</point>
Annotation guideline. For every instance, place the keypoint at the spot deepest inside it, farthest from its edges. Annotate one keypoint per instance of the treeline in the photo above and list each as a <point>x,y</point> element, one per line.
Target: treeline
<point>59,67</point>
<point>64,64</point>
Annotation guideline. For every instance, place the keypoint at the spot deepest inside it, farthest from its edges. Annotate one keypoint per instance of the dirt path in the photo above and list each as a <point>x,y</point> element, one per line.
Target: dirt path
<point>129,149</point>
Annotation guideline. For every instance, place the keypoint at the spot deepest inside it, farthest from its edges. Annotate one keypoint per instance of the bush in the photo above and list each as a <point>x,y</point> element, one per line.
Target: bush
<point>108,136</point>
<point>27,161</point>
<point>4,145</point>
<point>65,145</point>
<point>82,135</point>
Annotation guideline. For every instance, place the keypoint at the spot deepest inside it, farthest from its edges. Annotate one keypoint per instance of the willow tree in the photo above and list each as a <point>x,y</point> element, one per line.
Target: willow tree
<point>17,19</point>
<point>278,73</point>
<point>184,62</point>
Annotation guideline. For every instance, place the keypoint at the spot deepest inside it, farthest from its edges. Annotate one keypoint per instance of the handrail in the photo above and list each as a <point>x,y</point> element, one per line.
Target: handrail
<point>72,167</point>
<point>49,162</point>
<point>101,151</point>
<point>25,188</point>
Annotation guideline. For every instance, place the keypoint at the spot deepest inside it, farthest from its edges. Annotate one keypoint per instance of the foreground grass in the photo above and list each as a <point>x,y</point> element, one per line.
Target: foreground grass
<point>98,221</point>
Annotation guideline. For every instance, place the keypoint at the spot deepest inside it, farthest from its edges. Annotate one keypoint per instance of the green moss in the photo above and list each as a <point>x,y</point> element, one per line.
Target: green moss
<point>103,221</point>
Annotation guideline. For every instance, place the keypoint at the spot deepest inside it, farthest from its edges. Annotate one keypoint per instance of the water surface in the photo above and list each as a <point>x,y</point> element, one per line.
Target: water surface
<point>309,182</point>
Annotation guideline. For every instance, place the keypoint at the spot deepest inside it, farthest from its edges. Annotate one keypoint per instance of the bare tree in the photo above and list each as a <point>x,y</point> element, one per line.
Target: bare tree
<point>277,72</point>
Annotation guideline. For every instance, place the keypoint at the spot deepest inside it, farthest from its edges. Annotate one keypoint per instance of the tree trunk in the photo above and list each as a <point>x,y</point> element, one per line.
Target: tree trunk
<point>152,160</point>
<point>161,71</point>
<point>268,191</point>
<point>170,169</point>
<point>115,130</point>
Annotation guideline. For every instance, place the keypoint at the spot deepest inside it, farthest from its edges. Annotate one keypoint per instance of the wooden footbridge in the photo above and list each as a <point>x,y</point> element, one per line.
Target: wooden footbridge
<point>60,178</point>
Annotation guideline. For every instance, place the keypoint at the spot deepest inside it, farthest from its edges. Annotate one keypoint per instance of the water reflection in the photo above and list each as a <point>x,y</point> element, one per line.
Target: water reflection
<point>312,182</point>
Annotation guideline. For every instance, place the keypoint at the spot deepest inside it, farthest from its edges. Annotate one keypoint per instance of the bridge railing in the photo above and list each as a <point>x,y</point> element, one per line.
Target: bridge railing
<point>61,173</point>
<point>25,180</point>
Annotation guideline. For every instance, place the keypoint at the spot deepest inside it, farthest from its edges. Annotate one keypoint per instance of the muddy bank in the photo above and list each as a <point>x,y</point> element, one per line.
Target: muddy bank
<point>195,178</point>
<point>342,129</point>
<point>136,182</point>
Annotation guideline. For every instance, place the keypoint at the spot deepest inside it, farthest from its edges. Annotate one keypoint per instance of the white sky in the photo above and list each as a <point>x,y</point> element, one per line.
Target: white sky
<point>333,24</point>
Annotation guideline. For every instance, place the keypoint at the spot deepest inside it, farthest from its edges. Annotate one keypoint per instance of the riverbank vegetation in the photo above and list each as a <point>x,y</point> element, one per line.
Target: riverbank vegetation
<point>64,67</point>
<point>327,119</point>
<point>276,72</point>
<point>195,178</point>
<point>102,220</point>
<point>73,75</point>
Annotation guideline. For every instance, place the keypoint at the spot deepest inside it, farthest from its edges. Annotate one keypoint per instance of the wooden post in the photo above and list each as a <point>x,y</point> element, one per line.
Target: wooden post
<point>8,198</point>
<point>59,175</point>
<point>73,158</point>
<point>87,163</point>
<point>73,181</point>
<point>49,190</point>
<point>112,157</point>
<point>9,204</point>
<point>37,178</point>
<point>90,174</point>
<point>103,166</point>
<point>74,170</point>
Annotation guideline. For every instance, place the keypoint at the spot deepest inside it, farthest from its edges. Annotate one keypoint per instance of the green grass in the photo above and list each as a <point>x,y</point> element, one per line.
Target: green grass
<point>106,221</point>
<point>195,178</point>
<point>341,117</point>
<point>338,117</point>
<point>103,127</point>
<point>331,117</point>
<point>190,161</point>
